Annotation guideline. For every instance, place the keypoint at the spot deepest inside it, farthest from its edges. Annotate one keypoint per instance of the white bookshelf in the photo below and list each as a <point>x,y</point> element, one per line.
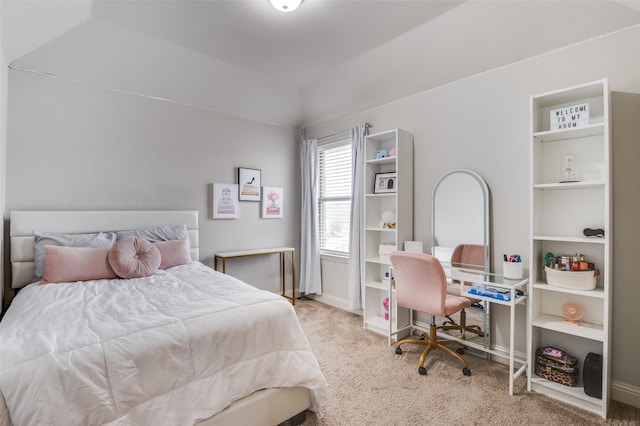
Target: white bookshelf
<point>399,204</point>
<point>559,212</point>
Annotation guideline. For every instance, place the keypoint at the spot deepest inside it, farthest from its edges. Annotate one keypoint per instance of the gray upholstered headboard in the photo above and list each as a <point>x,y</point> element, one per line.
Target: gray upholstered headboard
<point>23,223</point>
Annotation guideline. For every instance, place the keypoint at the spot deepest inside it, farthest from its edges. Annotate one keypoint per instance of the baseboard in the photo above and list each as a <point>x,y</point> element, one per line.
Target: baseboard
<point>336,302</point>
<point>625,393</point>
<point>502,356</point>
<point>422,327</point>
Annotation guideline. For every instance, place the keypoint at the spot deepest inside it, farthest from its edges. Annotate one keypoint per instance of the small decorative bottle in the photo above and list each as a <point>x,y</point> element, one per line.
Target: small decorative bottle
<point>385,305</point>
<point>568,168</point>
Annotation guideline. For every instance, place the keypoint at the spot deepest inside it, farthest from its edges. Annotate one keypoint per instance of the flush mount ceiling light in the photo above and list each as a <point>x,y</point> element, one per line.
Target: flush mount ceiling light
<point>285,5</point>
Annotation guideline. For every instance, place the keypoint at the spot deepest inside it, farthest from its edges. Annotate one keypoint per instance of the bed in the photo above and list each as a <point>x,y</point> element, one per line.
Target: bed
<point>185,345</point>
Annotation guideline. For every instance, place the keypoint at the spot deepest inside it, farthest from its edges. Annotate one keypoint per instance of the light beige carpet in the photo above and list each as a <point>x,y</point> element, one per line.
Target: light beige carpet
<point>370,385</point>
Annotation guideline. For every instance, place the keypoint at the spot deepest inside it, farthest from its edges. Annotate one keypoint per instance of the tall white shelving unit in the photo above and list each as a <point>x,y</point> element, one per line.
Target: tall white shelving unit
<point>560,212</point>
<point>378,207</point>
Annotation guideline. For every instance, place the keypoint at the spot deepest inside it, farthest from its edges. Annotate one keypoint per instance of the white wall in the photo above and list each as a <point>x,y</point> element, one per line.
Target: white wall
<point>3,144</point>
<point>24,26</point>
<point>482,123</point>
<point>74,146</point>
<point>626,196</point>
<point>334,272</point>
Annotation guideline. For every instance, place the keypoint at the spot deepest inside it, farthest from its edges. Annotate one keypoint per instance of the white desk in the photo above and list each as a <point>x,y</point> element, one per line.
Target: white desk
<point>469,277</point>
<point>282,251</point>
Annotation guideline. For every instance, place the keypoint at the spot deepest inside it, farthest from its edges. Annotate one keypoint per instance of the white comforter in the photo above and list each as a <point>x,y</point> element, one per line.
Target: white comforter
<point>169,349</point>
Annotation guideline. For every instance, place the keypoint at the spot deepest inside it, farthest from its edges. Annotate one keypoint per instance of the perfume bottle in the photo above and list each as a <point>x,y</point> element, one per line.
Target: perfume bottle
<point>568,168</point>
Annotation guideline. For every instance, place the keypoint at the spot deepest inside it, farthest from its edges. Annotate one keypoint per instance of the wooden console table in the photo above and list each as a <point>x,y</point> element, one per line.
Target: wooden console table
<point>282,251</point>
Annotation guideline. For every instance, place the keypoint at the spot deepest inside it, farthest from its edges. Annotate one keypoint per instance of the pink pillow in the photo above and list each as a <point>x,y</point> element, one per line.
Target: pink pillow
<point>68,264</point>
<point>173,253</point>
<point>134,257</point>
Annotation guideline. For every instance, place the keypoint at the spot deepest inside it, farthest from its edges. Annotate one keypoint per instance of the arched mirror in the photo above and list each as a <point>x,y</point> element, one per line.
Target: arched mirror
<point>460,224</point>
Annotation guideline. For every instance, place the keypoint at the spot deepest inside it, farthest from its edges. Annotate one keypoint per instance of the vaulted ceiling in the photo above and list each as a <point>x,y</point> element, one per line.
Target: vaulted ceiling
<point>242,57</point>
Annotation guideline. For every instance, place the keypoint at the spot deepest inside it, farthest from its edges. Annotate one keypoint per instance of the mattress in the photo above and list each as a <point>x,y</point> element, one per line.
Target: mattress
<point>173,348</point>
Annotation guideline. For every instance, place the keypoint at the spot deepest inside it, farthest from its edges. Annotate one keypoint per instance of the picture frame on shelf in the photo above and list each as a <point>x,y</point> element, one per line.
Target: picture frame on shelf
<point>225,201</point>
<point>385,183</point>
<point>272,202</point>
<point>249,184</point>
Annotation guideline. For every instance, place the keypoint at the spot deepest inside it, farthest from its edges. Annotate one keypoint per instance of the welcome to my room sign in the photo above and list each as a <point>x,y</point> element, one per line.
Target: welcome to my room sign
<point>569,117</point>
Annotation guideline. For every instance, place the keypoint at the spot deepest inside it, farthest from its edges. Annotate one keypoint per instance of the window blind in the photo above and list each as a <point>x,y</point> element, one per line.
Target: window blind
<point>334,162</point>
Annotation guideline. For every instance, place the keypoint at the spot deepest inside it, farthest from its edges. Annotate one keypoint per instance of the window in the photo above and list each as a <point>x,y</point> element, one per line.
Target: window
<point>334,162</point>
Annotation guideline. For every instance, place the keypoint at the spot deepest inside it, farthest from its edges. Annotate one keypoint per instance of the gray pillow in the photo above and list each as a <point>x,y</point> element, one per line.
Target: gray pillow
<point>157,233</point>
<point>41,239</point>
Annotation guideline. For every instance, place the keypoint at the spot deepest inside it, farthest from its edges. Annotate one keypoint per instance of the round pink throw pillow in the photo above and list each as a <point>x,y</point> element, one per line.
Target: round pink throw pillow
<point>134,257</point>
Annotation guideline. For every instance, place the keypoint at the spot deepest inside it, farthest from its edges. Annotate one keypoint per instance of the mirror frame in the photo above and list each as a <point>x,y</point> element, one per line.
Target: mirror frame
<point>485,208</point>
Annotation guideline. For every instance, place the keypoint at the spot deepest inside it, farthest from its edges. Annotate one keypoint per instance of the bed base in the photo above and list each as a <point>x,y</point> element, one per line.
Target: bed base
<point>266,407</point>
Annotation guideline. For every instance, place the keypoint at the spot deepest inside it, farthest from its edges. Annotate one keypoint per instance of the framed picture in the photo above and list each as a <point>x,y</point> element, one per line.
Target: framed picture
<point>384,182</point>
<point>249,183</point>
<point>225,201</point>
<point>272,202</point>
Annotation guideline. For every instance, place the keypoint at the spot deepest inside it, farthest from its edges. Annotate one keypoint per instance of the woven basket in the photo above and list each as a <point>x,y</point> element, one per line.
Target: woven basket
<point>575,280</point>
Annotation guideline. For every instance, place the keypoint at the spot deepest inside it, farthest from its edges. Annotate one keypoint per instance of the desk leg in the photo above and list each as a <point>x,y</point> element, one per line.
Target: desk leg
<point>293,276</point>
<point>512,345</point>
<point>282,275</point>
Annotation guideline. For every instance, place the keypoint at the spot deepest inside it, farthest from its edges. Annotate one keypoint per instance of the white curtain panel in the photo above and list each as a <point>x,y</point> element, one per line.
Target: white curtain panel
<point>310,282</point>
<point>356,240</point>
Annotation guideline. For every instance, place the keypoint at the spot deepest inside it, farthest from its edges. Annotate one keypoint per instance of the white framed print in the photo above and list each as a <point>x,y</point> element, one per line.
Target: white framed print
<point>249,181</point>
<point>272,202</point>
<point>225,201</point>
<point>385,182</point>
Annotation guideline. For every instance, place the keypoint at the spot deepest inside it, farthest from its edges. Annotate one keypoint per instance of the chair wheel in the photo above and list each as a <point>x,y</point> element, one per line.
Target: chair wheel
<point>460,351</point>
<point>423,371</point>
<point>398,351</point>
<point>466,371</point>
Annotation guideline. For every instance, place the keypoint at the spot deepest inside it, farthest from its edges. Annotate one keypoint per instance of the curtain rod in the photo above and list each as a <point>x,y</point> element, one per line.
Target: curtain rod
<point>340,133</point>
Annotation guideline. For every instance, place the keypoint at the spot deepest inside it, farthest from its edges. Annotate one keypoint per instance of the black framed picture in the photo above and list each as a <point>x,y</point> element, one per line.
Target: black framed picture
<point>385,182</point>
<point>249,184</point>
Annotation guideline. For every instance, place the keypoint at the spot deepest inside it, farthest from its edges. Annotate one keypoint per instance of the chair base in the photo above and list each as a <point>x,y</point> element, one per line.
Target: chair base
<point>431,342</point>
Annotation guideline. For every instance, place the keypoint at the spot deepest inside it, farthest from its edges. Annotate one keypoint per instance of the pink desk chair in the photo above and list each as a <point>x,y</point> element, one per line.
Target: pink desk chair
<point>421,285</point>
